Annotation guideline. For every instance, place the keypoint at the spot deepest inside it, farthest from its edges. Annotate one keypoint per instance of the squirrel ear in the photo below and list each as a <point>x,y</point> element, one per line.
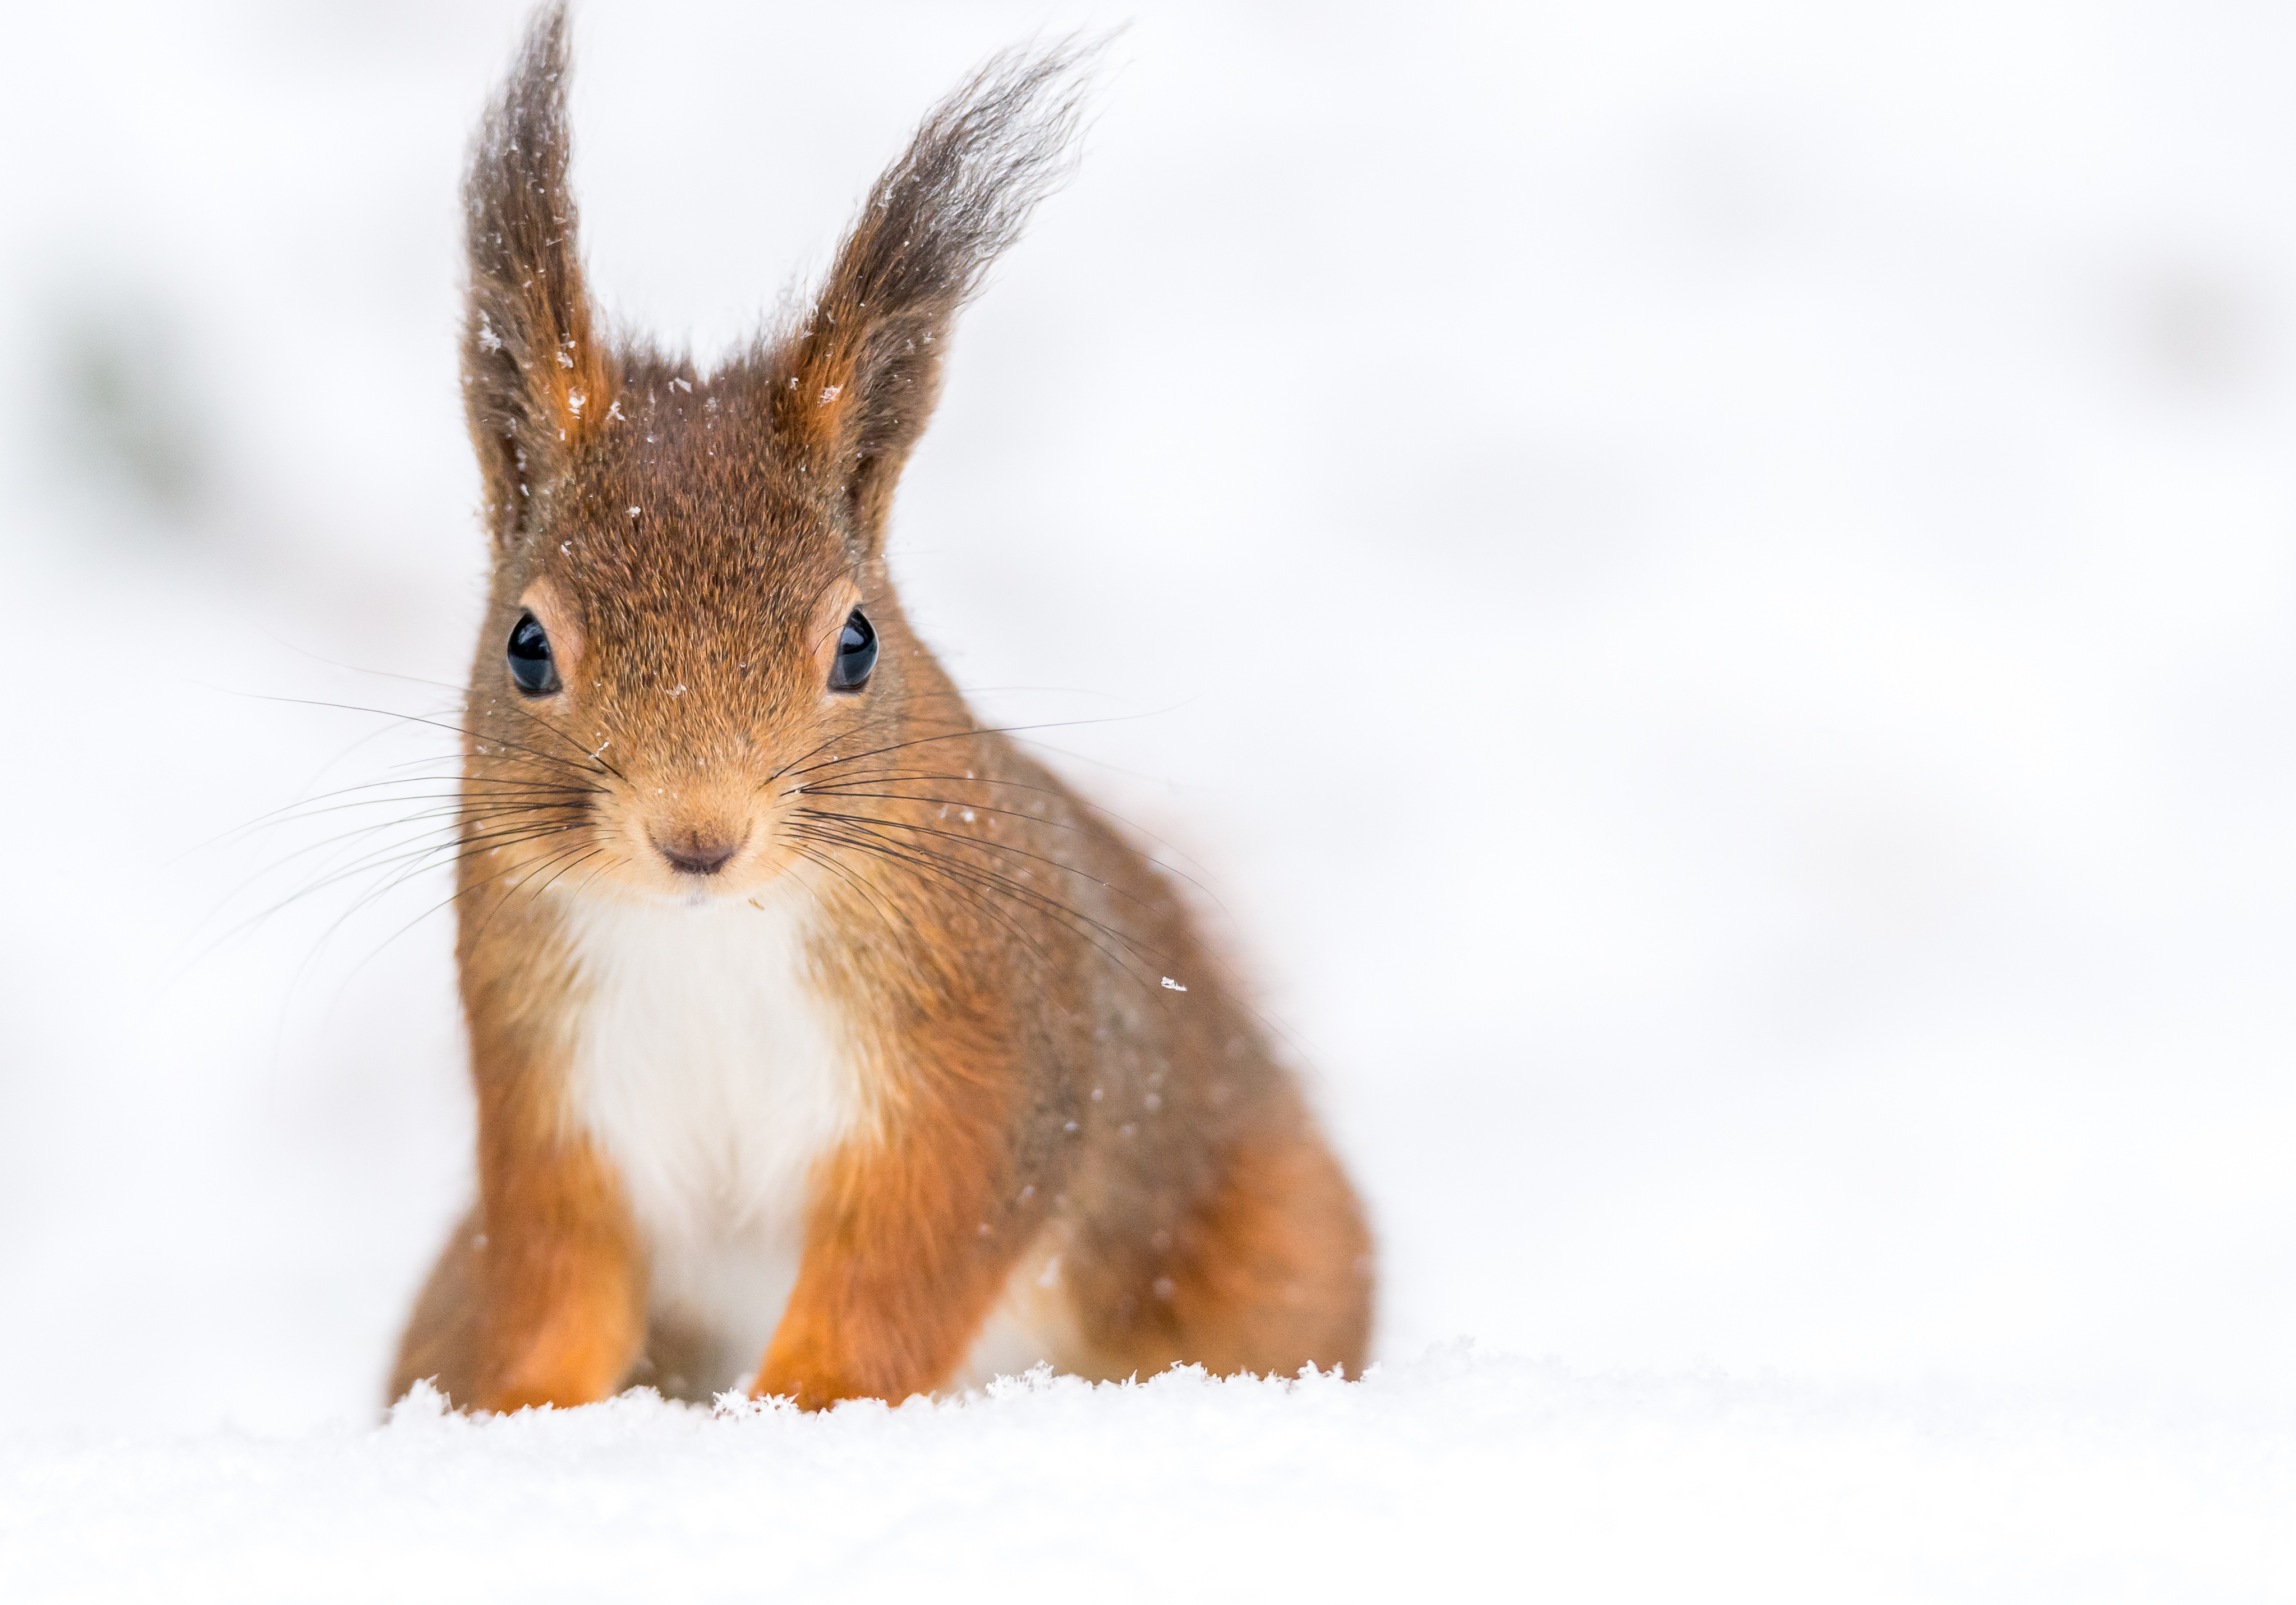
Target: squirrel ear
<point>535,381</point>
<point>854,386</point>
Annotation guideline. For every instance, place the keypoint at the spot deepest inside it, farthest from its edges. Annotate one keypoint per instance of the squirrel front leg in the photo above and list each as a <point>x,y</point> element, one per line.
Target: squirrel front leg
<point>561,1284</point>
<point>907,1247</point>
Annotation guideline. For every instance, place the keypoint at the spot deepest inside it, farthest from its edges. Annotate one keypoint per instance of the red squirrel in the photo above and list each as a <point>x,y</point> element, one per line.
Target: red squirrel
<point>823,1039</point>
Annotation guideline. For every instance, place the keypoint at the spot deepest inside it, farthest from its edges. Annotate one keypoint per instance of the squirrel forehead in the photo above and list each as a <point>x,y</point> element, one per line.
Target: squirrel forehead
<point>691,515</point>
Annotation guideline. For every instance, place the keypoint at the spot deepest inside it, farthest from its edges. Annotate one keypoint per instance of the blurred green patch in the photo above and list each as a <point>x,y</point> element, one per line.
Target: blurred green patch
<point>126,411</point>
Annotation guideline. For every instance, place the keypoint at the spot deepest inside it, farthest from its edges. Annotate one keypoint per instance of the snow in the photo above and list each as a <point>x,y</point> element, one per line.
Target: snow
<point>1456,1474</point>
<point>1711,590</point>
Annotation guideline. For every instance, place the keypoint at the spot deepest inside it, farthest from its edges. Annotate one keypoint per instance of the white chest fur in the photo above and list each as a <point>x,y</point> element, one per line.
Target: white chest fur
<point>709,1068</point>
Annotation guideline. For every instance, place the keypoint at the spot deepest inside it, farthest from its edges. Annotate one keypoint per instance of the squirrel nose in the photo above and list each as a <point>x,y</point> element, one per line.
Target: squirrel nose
<point>698,854</point>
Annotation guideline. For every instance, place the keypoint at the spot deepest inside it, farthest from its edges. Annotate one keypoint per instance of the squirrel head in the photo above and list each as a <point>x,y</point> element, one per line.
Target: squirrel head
<point>690,603</point>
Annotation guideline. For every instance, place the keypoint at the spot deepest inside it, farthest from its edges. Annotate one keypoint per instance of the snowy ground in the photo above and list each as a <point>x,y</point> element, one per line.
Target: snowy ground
<point>1712,587</point>
<point>1446,1478</point>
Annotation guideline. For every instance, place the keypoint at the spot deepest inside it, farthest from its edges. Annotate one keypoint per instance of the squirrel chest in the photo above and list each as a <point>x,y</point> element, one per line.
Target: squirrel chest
<point>713,1074</point>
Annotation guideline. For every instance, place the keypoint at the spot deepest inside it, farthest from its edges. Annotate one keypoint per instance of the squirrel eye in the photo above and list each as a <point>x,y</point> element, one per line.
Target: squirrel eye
<point>857,655</point>
<point>530,668</point>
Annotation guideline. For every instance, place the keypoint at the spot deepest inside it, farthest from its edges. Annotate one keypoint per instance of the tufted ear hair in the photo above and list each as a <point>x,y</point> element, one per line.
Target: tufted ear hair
<point>537,380</point>
<point>854,386</point>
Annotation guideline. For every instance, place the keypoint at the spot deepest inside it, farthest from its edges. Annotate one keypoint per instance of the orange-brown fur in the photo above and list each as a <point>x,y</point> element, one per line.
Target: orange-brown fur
<point>994,950</point>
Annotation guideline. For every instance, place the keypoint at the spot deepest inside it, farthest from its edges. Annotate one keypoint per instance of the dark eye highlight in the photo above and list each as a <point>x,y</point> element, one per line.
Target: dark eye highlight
<point>529,656</point>
<point>857,655</point>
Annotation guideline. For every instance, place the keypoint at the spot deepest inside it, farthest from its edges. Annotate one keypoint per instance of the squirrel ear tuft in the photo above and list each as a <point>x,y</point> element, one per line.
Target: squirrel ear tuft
<point>536,382</point>
<point>854,386</point>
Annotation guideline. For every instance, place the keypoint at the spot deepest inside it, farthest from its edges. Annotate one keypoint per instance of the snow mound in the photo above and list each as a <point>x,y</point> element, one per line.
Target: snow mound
<point>1455,1475</point>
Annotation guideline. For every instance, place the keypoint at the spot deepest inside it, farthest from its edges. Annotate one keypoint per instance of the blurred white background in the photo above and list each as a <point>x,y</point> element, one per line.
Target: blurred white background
<point>1713,586</point>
